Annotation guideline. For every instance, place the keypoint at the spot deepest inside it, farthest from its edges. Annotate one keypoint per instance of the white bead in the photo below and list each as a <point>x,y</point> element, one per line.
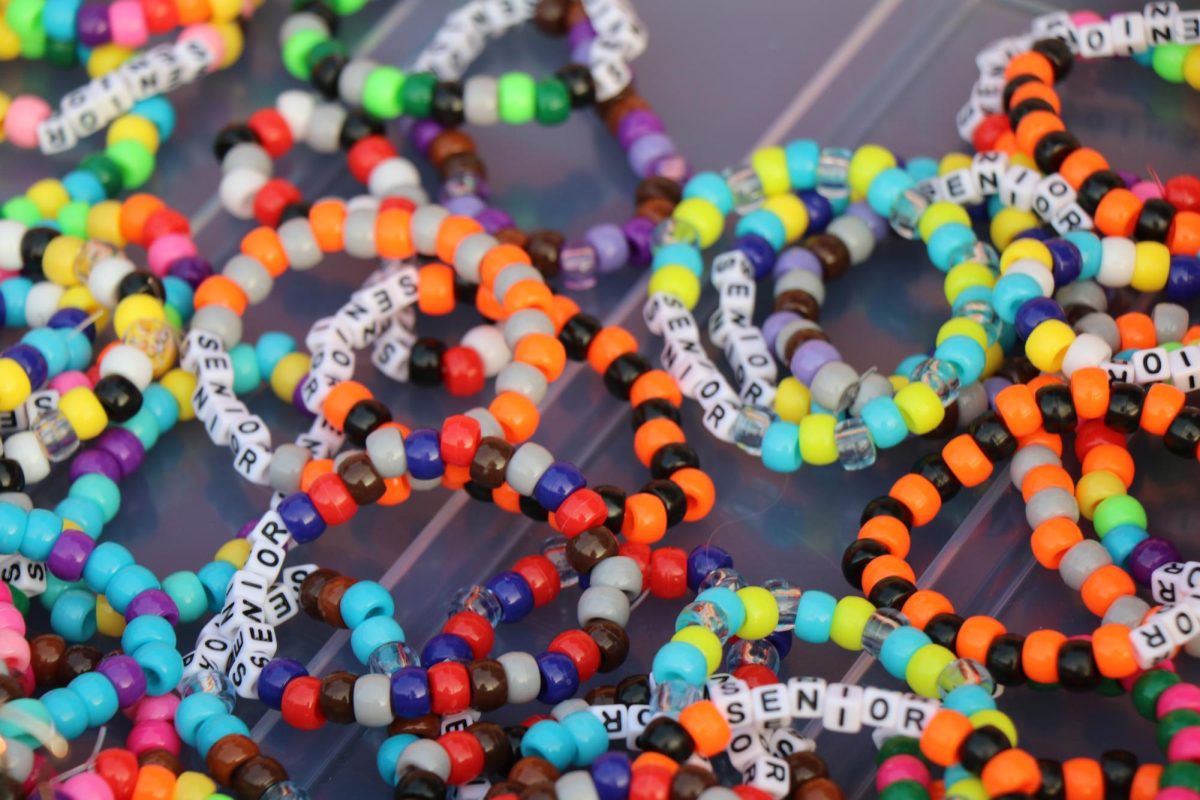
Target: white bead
<point>129,362</point>
<point>41,303</point>
<point>1052,193</point>
<point>283,603</point>
<point>1117,261</point>
<point>363,202</point>
<point>488,342</point>
<point>296,108</point>
<point>1088,350</point>
<point>880,708</point>
<point>770,705</point>
<point>245,671</point>
<point>390,174</point>
<point>1151,365</point>
<point>105,276</point>
<point>1128,33</point>
<point>11,232</point>
<point>843,708</point>
<point>1036,270</point>
<point>26,449</point>
<point>745,747</point>
<point>26,575</point>
<point>238,190</point>
<point>806,697</point>
<point>1017,187</point>
<point>915,714</point>
<point>1151,643</point>
<point>1185,367</point>
<point>246,155</point>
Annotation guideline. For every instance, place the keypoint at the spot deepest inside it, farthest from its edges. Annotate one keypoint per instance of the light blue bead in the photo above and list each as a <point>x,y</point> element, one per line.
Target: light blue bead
<point>106,560</point>
<point>1120,541</point>
<point>909,365</point>
<point>12,527</point>
<point>98,695</point>
<point>680,254</point>
<point>13,292</point>
<point>179,295</point>
<point>887,188</point>
<point>128,584</point>
<point>373,633</point>
<point>163,405</point>
<point>765,224</point>
<point>84,512</point>
<point>59,19</point>
<point>389,753</point>
<point>680,661</point>
<point>814,617</point>
<point>245,369</point>
<point>67,711</point>
<point>74,615</point>
<point>187,592</point>
<point>802,157</point>
<point>1090,249</point>
<point>55,586</point>
<point>955,773</point>
<point>158,110</point>
<point>1124,355</point>
<point>41,532</point>
<point>884,422</point>
<point>193,711</point>
<point>162,664</point>
<point>146,629</point>
<point>215,729</point>
<point>83,187</point>
<point>711,187</point>
<point>548,739</point>
<point>968,699</point>
<point>144,427</point>
<point>899,648</point>
<point>1011,292</point>
<point>921,168</point>
<point>947,242</point>
<point>271,347</point>
<point>728,601</point>
<point>77,345</point>
<point>364,600</point>
<point>50,343</point>
<point>972,294</point>
<point>216,577</point>
<point>589,736</point>
<point>101,490</point>
<point>781,447</point>
<point>966,354</point>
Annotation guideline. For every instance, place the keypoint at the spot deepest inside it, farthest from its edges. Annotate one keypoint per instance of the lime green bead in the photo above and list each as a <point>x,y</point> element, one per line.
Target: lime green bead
<point>24,16</point>
<point>344,8</point>
<point>1147,689</point>
<point>866,163</point>
<point>173,318</point>
<point>553,102</point>
<point>135,161</point>
<point>968,789</point>
<point>770,166</point>
<point>762,612</point>
<point>677,281</point>
<point>1117,510</point>
<point>998,720</point>
<point>818,441</point>
<point>1167,60</point>
<point>23,210</point>
<point>72,219</point>
<point>850,617</point>
<point>703,640</point>
<point>924,668</point>
<point>703,216</point>
<point>516,93</point>
<point>939,214</point>
<point>416,95</point>
<point>382,93</point>
<point>296,49</point>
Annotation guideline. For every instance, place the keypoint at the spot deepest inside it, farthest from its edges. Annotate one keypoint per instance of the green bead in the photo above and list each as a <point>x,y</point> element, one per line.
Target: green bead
<point>20,599</point>
<point>898,746</point>
<point>1109,687</point>
<point>134,160</point>
<point>322,51</point>
<point>416,94</point>
<point>295,52</point>
<point>23,210</point>
<point>61,54</point>
<point>1181,773</point>
<point>1171,347</point>
<point>516,93</point>
<point>25,19</point>
<point>106,171</point>
<point>904,790</point>
<point>383,93</point>
<point>173,318</point>
<point>553,102</point>
<point>1148,687</point>
<point>1173,723</point>
<point>33,46</point>
<point>72,218</point>
<point>346,7</point>
<point>1167,60</point>
<point>1120,509</point>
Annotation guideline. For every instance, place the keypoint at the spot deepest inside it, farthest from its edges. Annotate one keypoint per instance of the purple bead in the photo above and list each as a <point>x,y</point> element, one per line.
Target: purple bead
<point>636,124</point>
<point>1148,556</point>
<point>494,220</point>
<point>639,231</point>
<point>775,323</point>
<point>994,386</point>
<point>581,32</point>
<point>124,447</point>
<point>154,603</point>
<point>126,677</point>
<point>191,269</point>
<point>298,398</point>
<point>1068,261</point>
<point>610,244</point>
<point>423,133</point>
<point>91,25</point>
<point>248,528</point>
<point>810,357</point>
<point>797,258</point>
<point>877,224</point>
<point>1130,178</point>
<point>648,149</point>
<point>69,554</point>
<point>95,460</point>
<point>465,205</point>
<point>581,53</point>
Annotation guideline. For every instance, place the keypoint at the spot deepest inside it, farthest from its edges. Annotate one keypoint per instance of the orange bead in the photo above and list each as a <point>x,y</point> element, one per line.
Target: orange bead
<point>507,498</point>
<point>888,531</point>
<point>435,289</point>
<point>497,259</point>
<point>562,308</point>
<point>1183,239</point>
<point>1052,539</point>
<point>919,496</point>
<point>263,244</point>
<point>976,635</point>
<point>944,736</point>
<point>396,491</point>
<point>1079,166</point>
<point>1118,212</point>
<point>1162,404</point>
<point>966,460</point>
<point>455,478</point>
<point>1089,390</point>
<point>1030,63</point>
<point>313,470</point>
<point>1033,126</point>
<point>487,304</point>
<point>924,605</point>
<point>645,518</point>
<point>327,218</point>
<point>1006,143</point>
<point>1137,331</point>
<point>1191,335</point>
<point>1145,782</point>
<point>655,761</point>
<point>1043,437</point>
<point>707,726</point>
<point>655,385</point>
<point>1083,779</point>
<point>1110,458</point>
<point>529,293</point>
<point>607,345</point>
<point>136,209</point>
<point>192,12</point>
<point>1010,771</point>
<point>1046,476</point>
<point>154,783</point>
<point>888,566</point>
<point>1113,651</point>
<point>543,351</point>
<point>1044,380</point>
<point>393,234</point>
<point>517,415</point>
<point>1018,407</point>
<point>217,290</point>
<point>699,490</point>
<point>341,399</point>
<point>1104,586</point>
<point>654,434</point>
<point>1039,656</point>
<point>452,231</point>
<point>1036,91</point>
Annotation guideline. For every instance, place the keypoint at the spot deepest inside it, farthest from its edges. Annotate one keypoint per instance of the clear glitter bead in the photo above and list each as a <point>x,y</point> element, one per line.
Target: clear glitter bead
<point>941,376</point>
<point>724,578</point>
<point>833,172</point>
<point>787,597</point>
<point>156,339</point>
<point>707,615</point>
<point>555,549</point>
<point>856,449</point>
<point>285,790</point>
<point>461,181</point>
<point>757,651</point>
<point>673,696</point>
<point>91,252</point>
<point>577,263</point>
<point>57,436</point>
<point>746,187</point>
<point>479,599</point>
<point>391,656</point>
<point>879,626</point>
<point>964,672</point>
<point>982,312</point>
<point>673,231</point>
<point>906,213</point>
<point>750,427</point>
<point>976,252</point>
<point>209,681</point>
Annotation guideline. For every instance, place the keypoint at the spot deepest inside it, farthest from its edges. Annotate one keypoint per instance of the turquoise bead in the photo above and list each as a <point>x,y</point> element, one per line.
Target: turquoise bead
<point>179,295</point>
<point>972,294</point>
<point>246,377</point>
<point>101,490</point>
<point>681,254</point>
<point>55,586</point>
<point>215,729</point>
<point>389,753</point>
<point>1120,541</point>
<point>146,629</point>
<point>195,710</point>
<point>1011,292</point>
<point>728,601</point>
<point>51,345</point>
<point>884,422</point>
<point>158,110</point>
<point>163,666</point>
<point>548,739</point>
<point>59,19</point>
<point>968,699</point>
<point>711,187</point>
<point>364,600</point>
<point>955,773</point>
<point>13,292</point>
<point>371,634</point>
<point>781,447</point>
<point>1144,58</point>
<point>765,224</point>
<point>74,615</point>
<point>886,189</point>
<point>106,560</point>
<point>947,242</point>
<point>216,577</point>
<point>78,346</point>
<point>98,695</point>
<point>1008,337</point>
<point>162,405</point>
<point>802,157</point>
<point>814,617</point>
<point>899,648</point>
<point>271,347</point>
<point>84,512</point>
<point>588,733</point>
<point>29,707</point>
<point>966,354</point>
<point>909,365</point>
<point>83,187</point>
<point>41,532</point>
<point>1090,249</point>
<point>67,711</point>
<point>144,427</point>
<point>680,661</point>
<point>187,592</point>
<point>128,584</point>
<point>921,168</point>
<point>12,527</point>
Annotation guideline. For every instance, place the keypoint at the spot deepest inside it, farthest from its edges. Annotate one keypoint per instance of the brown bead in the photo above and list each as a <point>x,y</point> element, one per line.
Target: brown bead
<point>362,481</point>
<point>690,781</point>
<point>601,695</point>
<point>450,142</point>
<point>329,601</point>
<point>550,17</point>
<point>489,685</point>
<point>46,651</point>
<point>310,590</point>
<point>463,164</point>
<point>337,697</point>
<point>612,640</point>
<point>531,770</point>
<point>575,14</point>
<point>10,689</point>
<point>800,302</point>
<point>545,251</point>
<point>162,758</point>
<point>426,727</point>
<point>490,462</point>
<point>614,113</point>
<point>657,187</point>
<point>257,775</point>
<point>541,791</point>
<point>229,753</point>
<point>502,788</point>
<point>77,659</point>
<point>497,752</point>
<point>656,209</point>
<point>805,767</point>
<point>831,252</point>
<point>590,548</point>
<point>513,236</point>
<point>800,337</point>
<point>817,789</point>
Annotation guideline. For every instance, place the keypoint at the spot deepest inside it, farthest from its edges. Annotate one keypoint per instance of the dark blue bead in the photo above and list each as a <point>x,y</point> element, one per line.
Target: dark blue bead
<point>514,594</point>
<point>1183,281</point>
<point>782,641</point>
<point>560,679</point>
<point>72,318</point>
<point>1068,261</point>
<point>556,484</point>
<point>1034,233</point>
<point>446,647</point>
<point>978,212</point>
<point>704,559</point>
<point>820,212</point>
<point>1036,311</point>
<point>410,693</point>
<point>32,361</point>
<point>301,517</point>
<point>611,774</point>
<point>759,251</point>
<point>424,454</point>
<point>274,679</point>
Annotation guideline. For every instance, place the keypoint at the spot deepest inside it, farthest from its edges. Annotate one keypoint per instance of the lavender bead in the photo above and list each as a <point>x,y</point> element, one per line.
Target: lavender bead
<point>1149,556</point>
<point>191,269</point>
<point>639,231</point>
<point>154,603</point>
<point>876,224</point>
<point>611,246</point>
<point>581,32</point>
<point>773,324</point>
<point>91,24</point>
<point>810,357</point>
<point>494,220</point>
<point>673,167</point>
<point>995,386</point>
<point>70,553</point>
<point>467,205</point>
<point>124,447</point>
<point>797,258</point>
<point>648,149</point>
<point>423,133</point>
<point>635,125</point>
<point>126,677</point>
<point>581,54</point>
<point>98,461</point>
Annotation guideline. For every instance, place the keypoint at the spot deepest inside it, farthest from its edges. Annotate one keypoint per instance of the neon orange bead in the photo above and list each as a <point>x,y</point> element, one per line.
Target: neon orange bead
<point>1113,651</point>
<point>393,234</point>
<point>707,726</point>
<point>517,415</point>
<point>327,218</point>
<point>1044,380</point>
<point>543,351</point>
<point>263,244</point>
<point>1010,771</point>
<point>1089,390</point>
<point>1191,335</point>
<point>452,231</point>
<point>976,635</point>
<point>607,345</point>
<point>1036,91</point>
<point>1006,143</point>
<point>528,293</point>
<point>1118,212</point>
<point>655,385</point>
<point>888,566</point>
<point>1183,239</point>
<point>154,783</point>
<point>1046,476</point>
<point>645,518</point>
<point>919,496</point>
<point>487,304</point>
<point>435,289</point>
<point>507,498</point>
<point>944,735</point>
<point>562,308</point>
<point>396,491</point>
<point>455,478</point>
<point>497,259</point>
<point>136,209</point>
<point>341,399</point>
<point>1137,331</point>
<point>1079,166</point>
<point>888,531</point>
<point>1083,779</point>
<point>1110,458</point>
<point>313,470</point>
<point>966,460</point>
<point>1145,782</point>
<point>655,761</point>
<point>699,490</point>
<point>1102,588</point>
<point>217,290</point>
<point>1030,63</point>
<point>1033,126</point>
<point>1039,655</point>
<point>1052,539</point>
<point>1043,437</point>
<point>924,605</point>
<point>1018,407</point>
<point>654,434</point>
<point>192,12</point>
<point>1162,404</point>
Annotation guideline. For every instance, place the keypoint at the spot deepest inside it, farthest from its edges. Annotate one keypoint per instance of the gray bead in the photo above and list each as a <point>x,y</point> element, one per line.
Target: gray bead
<point>618,572</point>
<point>510,276</point>
<point>385,448</point>
<point>872,386</point>
<point>424,754</point>
<point>250,276</point>
<point>524,379</point>
<point>423,484</point>
<point>373,701</point>
<point>481,103</point>
<point>359,234</point>
<point>18,758</point>
<point>18,499</point>
<point>577,785</point>
<point>855,234</point>
<point>568,707</point>
<point>525,322</point>
<point>413,193</point>
<point>325,127</point>
<point>972,403</point>
<point>603,602</point>
<point>299,244</point>
<point>831,383</point>
<point>1050,503</point>
<point>353,79</point>
<point>220,322</point>
<point>1127,610</point>
<point>287,462</point>
<point>1170,322</point>
<point>248,156</point>
<point>1083,293</point>
<point>718,793</point>
<point>1101,325</point>
<point>488,426</point>
<point>790,330</point>
<point>527,466</point>
<point>1027,458</point>
<point>803,280</point>
<point>522,675</point>
<point>302,21</point>
<point>470,252</point>
<point>426,221</point>
<point>1081,561</point>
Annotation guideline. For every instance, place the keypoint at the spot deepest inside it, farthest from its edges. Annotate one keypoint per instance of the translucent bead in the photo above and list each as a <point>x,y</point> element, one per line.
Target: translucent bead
<point>577,263</point>
<point>285,790</point>
<point>856,448</point>
<point>787,597</point>
<point>706,615</point>
<point>976,252</point>
<point>981,311</point>
<point>757,651</point>
<point>750,427</point>
<point>941,376</point>
<point>879,626</point>
<point>57,436</point>
<point>555,549</point>
<point>389,657</point>
<point>209,681</point>
<point>833,171</point>
<point>746,187</point>
<point>906,213</point>
<point>674,231</point>
<point>673,696</point>
<point>92,252</point>
<point>725,578</point>
<point>156,339</point>
<point>964,672</point>
<point>462,181</point>
<point>479,599</point>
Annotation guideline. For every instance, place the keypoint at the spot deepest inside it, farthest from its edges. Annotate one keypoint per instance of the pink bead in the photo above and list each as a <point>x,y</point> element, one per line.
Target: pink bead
<point>87,786</point>
<point>157,708</point>
<point>64,382</point>
<point>1176,793</point>
<point>153,735</point>
<point>28,682</point>
<point>1179,696</point>
<point>14,650</point>
<point>5,593</point>
<point>128,23</point>
<point>24,114</point>
<point>1147,190</point>
<point>901,768</point>
<point>1127,683</point>
<point>167,249</point>
<point>1085,18</point>
<point>10,618</point>
<point>1185,745</point>
<point>207,34</point>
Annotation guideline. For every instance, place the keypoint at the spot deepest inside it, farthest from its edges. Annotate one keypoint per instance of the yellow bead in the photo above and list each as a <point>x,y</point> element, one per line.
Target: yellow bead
<point>703,640</point>
<point>963,276</point>
<point>921,408</point>
<point>865,165</point>
<point>997,719</point>
<point>225,10</point>
<point>49,195</point>
<point>288,373</point>
<point>924,668</point>
<point>679,282</point>
<point>82,409</point>
<point>762,612</point>
<point>104,223</point>
<point>703,216</point>
<point>1025,248</point>
<point>818,446</point>
<point>58,262</point>
<point>1022,160</point>
<point>235,552</point>
<point>791,212</point>
<point>939,214</point>
<point>898,382</point>
<point>1191,68</point>
<point>1048,344</point>
<point>193,786</point>
<point>137,307</point>
<point>106,58</point>
<point>995,359</point>
<point>234,41</point>
<point>14,385</point>
<point>10,48</point>
<point>967,789</point>
<point>135,128</point>
<point>953,161</point>
<point>5,99</point>
<point>792,400</point>
<point>181,383</point>
<point>961,326</point>
<point>770,165</point>
<point>850,617</point>
<point>108,622</point>
<point>1096,487</point>
<point>1009,222</point>
<point>1151,264</point>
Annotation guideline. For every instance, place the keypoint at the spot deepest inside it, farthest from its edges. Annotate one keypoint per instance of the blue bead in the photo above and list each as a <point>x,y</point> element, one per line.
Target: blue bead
<point>678,254</point>
<point>13,520</point>
<point>1034,312</point>
<point>1183,279</point>
<point>42,530</point>
<point>1010,292</point>
<point>886,189</point>
<point>301,517</point>
<point>274,678</point>
<point>921,168</point>
<point>389,753</point>
<point>899,647</point>
<point>947,243</point>
<point>680,661</point>
<point>371,634</point>
<point>13,292</point>
<point>106,560</point>
<point>589,736</point>
<point>364,600</point>
<point>556,484</point>
<point>146,629</point>
<point>1121,540</point>
<point>424,454</point>
<point>271,347</point>
<point>80,348</point>
<point>162,664</point>
<point>760,252</point>
<point>814,617</point>
<point>782,640</point>
<point>84,512</point>
<point>158,110</point>
<point>514,594</point>
<point>704,559</point>
<point>548,739</point>
<point>711,187</point>
<point>446,647</point>
<point>215,729</point>
<point>611,775</point>
<point>765,224</point>
<point>216,576</point>
<point>802,157</point>
<point>820,212</point>
<point>52,346</point>
<point>196,709</point>
<point>969,699</point>
<point>781,447</point>
<point>728,601</point>
<point>964,353</point>
<point>1033,233</point>
<point>163,405</point>
<point>69,319</point>
<point>884,422</point>
<point>410,693</point>
<point>83,187</point>
<point>560,679</point>
<point>128,584</point>
<point>67,711</point>
<point>180,296</point>
<point>74,615</point>
<point>32,361</point>
<point>98,695</point>
<point>1068,261</point>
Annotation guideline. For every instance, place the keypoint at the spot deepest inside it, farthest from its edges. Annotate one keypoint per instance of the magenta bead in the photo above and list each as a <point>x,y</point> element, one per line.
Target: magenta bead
<point>87,786</point>
<point>161,708</point>
<point>155,734</point>
<point>1179,696</point>
<point>901,768</point>
<point>1176,793</point>
<point>1185,745</point>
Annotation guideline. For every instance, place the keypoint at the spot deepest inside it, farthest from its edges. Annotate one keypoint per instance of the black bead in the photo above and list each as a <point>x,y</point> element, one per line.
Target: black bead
<point>856,557</point>
<point>230,136</point>
<point>654,408</point>
<point>1118,768</point>
<point>634,691</point>
<point>532,509</point>
<point>993,437</point>
<point>515,734</point>
<point>1003,659</point>
<point>1154,222</point>
<point>1053,786</point>
<point>943,629</point>
<point>1057,407</point>
<point>33,249</point>
<point>1013,796</point>
<point>665,735</point>
<point>981,746</point>
<point>1016,83</point>
<point>1018,369</point>
<point>477,491</point>
<point>119,396</point>
<point>672,497</point>
<point>1183,434</point>
<point>1095,186</point>
<point>670,458</point>
<point>624,370</point>
<point>327,74</point>
<point>425,361</point>
<point>363,418</point>
<point>580,86</point>
<point>1058,53</point>
<point>139,282</point>
<point>946,428</point>
<point>12,477</point>
<point>1124,406</point>
<point>419,784</point>
<point>885,506</point>
<point>577,334</point>
<point>1077,670</point>
<point>1018,112</point>
<point>933,469</point>
<point>614,502</point>
<point>1052,150</point>
<point>892,592</point>
<point>1076,312</point>
<point>295,210</point>
<point>357,126</point>
<point>447,109</point>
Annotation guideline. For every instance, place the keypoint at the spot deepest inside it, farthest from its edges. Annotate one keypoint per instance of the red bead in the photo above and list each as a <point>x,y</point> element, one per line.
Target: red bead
<point>301,704</point>
<point>402,203</point>
<point>462,371</point>
<point>119,769</point>
<point>581,649</point>
<point>650,783</point>
<point>756,675</point>
<point>459,440</point>
<point>474,630</point>
<point>751,793</point>
<point>162,222</point>
<point>542,578</point>
<point>529,722</point>
<point>162,16</point>
<point>668,573</point>
<point>1183,192</point>
<point>272,131</point>
<point>466,756</point>
<point>449,688</point>
<point>988,132</point>
<point>93,374</point>
<point>640,553</point>
<point>332,499</point>
<point>366,154</point>
<point>582,509</point>
<point>1094,433</point>
<point>275,195</point>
